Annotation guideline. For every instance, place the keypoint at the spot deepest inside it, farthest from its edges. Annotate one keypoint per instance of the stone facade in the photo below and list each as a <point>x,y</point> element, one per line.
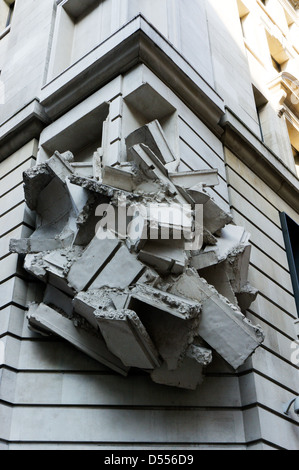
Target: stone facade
<point>141,343</point>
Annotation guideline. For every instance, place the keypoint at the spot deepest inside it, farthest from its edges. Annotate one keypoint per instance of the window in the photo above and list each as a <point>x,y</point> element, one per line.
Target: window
<point>6,13</point>
<point>291,237</point>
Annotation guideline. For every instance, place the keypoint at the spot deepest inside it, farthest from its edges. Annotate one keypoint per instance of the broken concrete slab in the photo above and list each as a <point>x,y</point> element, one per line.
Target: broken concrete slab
<point>52,267</point>
<point>164,257</point>
<point>189,373</point>
<point>47,319</point>
<point>233,243</point>
<point>214,217</point>
<point>95,255</point>
<point>118,178</point>
<point>36,245</point>
<point>86,303</point>
<point>171,322</point>
<point>121,271</point>
<point>228,332</point>
<point>222,325</point>
<point>152,135</point>
<point>190,179</point>
<point>35,179</point>
<point>57,299</point>
<point>127,338</point>
<point>60,166</point>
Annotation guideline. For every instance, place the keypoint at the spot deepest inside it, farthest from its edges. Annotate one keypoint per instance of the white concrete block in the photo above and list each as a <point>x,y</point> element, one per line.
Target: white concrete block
<point>188,179</point>
<point>89,264</point>
<point>86,303</point>
<point>222,325</point>
<point>152,136</point>
<point>120,272</point>
<point>189,373</point>
<point>56,298</point>
<point>127,338</point>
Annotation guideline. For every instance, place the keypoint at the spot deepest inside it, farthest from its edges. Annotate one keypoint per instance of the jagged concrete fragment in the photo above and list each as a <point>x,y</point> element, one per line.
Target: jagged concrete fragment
<point>222,325</point>
<point>217,277</point>
<point>118,178</point>
<point>47,319</point>
<point>189,374</point>
<point>246,296</point>
<point>35,179</point>
<point>86,303</point>
<point>127,338</point>
<point>152,135</point>
<point>232,243</point>
<point>35,245</point>
<point>214,217</point>
<point>60,165</point>
<point>85,169</point>
<point>148,163</point>
<point>121,271</point>
<point>86,268</point>
<point>173,304</point>
<point>54,297</point>
<point>190,179</point>
<point>53,266</point>
<point>104,190</point>
<point>164,256</point>
<point>47,193</point>
<point>230,334</point>
<point>171,322</point>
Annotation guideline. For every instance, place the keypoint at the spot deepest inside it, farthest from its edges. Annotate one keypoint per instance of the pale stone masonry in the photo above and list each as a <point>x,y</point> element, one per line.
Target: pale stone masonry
<point>146,343</point>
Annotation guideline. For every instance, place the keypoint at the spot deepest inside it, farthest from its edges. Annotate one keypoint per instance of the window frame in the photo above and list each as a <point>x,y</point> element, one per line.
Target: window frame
<point>288,225</point>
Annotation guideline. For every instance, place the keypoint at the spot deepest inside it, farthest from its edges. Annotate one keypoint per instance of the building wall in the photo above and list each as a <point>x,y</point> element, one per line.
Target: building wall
<point>53,396</point>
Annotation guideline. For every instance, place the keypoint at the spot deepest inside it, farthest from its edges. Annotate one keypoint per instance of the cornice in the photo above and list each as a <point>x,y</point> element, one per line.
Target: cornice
<point>260,159</point>
<point>136,43</point>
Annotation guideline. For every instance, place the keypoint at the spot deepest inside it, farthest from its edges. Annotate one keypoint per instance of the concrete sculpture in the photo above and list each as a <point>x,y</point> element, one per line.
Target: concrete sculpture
<point>134,298</point>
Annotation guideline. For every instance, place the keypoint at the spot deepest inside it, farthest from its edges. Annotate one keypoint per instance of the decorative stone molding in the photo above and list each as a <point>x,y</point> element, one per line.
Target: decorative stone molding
<point>159,304</point>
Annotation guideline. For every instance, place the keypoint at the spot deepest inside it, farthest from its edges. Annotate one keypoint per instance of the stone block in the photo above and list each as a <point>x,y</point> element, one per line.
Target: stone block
<point>54,297</point>
<point>86,303</point>
<point>189,179</point>
<point>152,135</point>
<point>121,271</point>
<point>118,178</point>
<point>228,331</point>
<point>35,245</point>
<point>189,373</point>
<point>165,256</point>
<point>222,325</point>
<point>60,166</point>
<point>127,338</point>
<point>95,255</point>
<point>171,322</point>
